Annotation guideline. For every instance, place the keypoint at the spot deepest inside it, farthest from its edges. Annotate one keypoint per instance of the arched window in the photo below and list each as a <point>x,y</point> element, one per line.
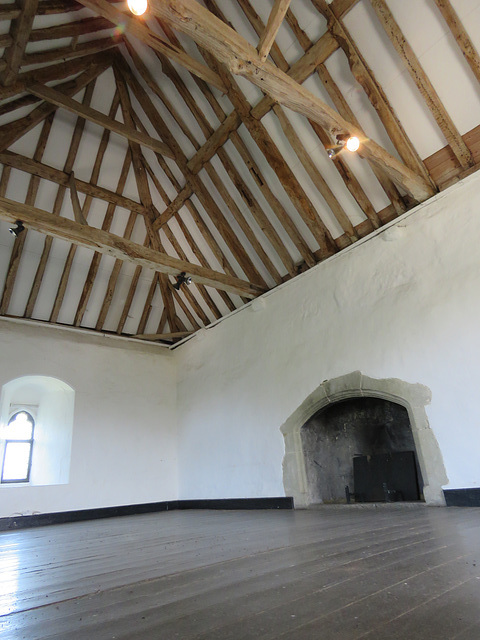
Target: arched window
<point>36,425</point>
<point>17,454</point>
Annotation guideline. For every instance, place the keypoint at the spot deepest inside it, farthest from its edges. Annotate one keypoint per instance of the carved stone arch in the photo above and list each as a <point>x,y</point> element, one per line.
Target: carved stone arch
<point>414,397</point>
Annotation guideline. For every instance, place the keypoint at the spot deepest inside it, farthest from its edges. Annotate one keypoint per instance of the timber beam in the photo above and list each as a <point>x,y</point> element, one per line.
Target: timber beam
<point>241,58</point>
<point>120,248</point>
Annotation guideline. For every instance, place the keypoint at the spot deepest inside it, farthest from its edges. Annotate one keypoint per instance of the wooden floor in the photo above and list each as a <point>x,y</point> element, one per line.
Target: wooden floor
<point>332,573</point>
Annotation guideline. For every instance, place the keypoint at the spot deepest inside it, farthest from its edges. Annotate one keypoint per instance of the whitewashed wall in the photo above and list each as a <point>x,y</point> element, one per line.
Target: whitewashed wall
<point>124,429</point>
<point>404,304</point>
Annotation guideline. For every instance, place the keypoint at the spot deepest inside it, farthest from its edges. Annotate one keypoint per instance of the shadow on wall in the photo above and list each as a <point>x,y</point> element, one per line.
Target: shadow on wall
<point>51,404</point>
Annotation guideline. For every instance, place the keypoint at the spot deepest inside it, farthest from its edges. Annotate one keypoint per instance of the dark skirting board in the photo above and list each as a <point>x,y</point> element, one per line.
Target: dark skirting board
<point>62,517</point>
<point>462,497</point>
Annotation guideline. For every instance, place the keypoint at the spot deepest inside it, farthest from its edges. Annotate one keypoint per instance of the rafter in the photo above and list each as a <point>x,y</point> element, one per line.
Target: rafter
<point>230,123</point>
<point>274,23</point>
<point>19,31</point>
<point>57,207</point>
<point>113,245</point>
<point>61,100</point>
<point>19,243</point>
<point>47,172</point>
<point>461,36</point>
<point>198,186</point>
<point>106,224</point>
<point>430,96</point>
<point>365,77</point>
<point>153,40</point>
<point>241,58</point>
<point>10,133</point>
<point>145,195</point>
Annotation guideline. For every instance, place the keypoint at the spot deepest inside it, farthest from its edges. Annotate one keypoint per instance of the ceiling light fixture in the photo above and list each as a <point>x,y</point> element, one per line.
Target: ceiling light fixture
<point>344,140</point>
<point>137,7</point>
<point>16,231</point>
<point>182,278</point>
<point>353,144</point>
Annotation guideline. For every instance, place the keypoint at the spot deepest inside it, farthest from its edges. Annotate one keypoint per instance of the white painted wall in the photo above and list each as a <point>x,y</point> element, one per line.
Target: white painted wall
<point>403,304</point>
<point>124,429</point>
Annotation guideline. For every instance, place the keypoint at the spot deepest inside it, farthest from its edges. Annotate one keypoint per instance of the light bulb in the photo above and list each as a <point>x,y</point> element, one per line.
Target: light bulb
<point>137,7</point>
<point>353,143</point>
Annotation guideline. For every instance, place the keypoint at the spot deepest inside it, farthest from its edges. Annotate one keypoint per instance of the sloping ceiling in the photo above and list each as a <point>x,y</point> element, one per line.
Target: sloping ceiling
<point>194,139</point>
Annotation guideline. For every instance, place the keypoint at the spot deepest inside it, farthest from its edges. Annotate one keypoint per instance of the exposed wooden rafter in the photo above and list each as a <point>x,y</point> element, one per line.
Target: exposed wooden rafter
<point>61,100</point>
<point>153,40</point>
<point>126,250</point>
<point>19,33</point>
<point>274,23</point>
<point>233,189</point>
<point>241,58</point>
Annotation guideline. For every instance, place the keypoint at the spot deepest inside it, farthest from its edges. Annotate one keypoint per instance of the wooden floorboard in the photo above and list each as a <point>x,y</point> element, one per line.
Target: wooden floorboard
<point>332,573</point>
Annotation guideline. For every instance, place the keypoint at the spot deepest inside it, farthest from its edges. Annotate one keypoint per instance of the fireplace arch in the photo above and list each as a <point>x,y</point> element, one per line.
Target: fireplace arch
<point>413,397</point>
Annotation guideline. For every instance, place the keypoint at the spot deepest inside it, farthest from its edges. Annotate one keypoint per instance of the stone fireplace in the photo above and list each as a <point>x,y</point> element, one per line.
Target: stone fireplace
<point>357,417</point>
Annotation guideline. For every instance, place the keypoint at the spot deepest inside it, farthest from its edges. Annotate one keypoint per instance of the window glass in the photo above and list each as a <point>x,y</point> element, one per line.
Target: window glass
<point>16,461</point>
<point>18,448</point>
<point>20,427</point>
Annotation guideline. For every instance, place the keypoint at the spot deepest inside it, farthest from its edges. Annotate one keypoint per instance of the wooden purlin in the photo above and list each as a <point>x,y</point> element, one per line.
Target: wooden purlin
<point>70,29</point>
<point>68,53</point>
<point>48,74</point>
<point>96,117</point>
<point>20,29</point>
<point>90,189</point>
<point>19,242</point>
<point>430,96</point>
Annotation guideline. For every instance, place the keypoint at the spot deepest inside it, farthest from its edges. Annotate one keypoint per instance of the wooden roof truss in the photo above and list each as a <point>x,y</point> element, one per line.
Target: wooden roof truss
<point>215,195</point>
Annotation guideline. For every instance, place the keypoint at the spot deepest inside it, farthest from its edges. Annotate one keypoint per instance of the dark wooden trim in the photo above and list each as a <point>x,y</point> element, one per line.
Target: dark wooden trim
<point>237,503</point>
<point>63,517</point>
<point>462,497</point>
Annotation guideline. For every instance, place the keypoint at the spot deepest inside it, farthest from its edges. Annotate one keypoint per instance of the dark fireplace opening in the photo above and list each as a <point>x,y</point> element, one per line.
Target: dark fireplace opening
<point>361,450</point>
